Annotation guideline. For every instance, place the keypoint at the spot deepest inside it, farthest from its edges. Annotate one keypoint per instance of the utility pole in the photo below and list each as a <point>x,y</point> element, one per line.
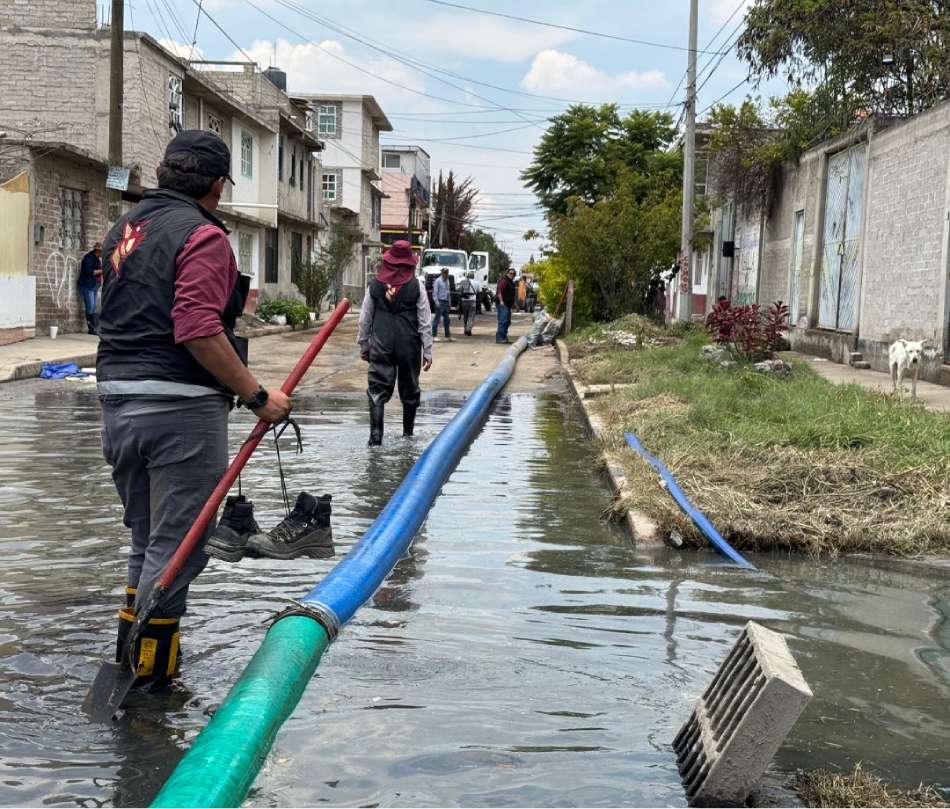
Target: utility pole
<point>116,79</point>
<point>685,308</point>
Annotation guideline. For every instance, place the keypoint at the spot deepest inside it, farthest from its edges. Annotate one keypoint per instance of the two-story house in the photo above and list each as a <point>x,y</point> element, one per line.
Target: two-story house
<point>349,126</point>
<point>53,171</point>
<point>406,183</point>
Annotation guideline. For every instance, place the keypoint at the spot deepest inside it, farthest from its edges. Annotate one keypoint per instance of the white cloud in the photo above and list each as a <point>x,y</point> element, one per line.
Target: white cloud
<point>180,49</point>
<point>560,73</point>
<point>478,38</point>
<point>313,68</point>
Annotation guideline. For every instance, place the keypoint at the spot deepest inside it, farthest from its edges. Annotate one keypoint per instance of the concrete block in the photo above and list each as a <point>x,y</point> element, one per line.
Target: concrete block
<point>741,720</point>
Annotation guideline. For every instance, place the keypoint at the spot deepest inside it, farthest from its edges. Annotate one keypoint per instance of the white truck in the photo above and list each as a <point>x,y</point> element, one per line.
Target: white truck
<point>458,263</point>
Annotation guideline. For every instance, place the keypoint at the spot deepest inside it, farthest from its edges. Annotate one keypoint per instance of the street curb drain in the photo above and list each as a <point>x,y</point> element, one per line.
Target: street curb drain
<point>741,720</point>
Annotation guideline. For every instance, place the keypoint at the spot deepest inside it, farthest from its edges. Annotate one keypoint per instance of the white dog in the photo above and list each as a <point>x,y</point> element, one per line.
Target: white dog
<point>904,357</point>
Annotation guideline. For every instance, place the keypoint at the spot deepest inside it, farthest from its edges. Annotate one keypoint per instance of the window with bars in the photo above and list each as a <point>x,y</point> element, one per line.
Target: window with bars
<point>175,118</point>
<point>300,168</point>
<point>247,155</point>
<point>245,253</point>
<point>328,120</point>
<point>331,186</point>
<point>280,158</point>
<point>71,232</point>
<point>293,167</point>
<point>390,160</point>
<point>214,124</point>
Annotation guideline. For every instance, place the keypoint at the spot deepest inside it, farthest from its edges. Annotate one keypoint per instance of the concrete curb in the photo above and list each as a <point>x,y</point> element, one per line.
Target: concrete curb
<point>642,530</point>
<point>31,369</point>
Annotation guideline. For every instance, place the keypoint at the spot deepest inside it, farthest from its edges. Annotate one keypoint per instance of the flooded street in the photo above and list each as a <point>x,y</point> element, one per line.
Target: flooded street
<point>524,654</point>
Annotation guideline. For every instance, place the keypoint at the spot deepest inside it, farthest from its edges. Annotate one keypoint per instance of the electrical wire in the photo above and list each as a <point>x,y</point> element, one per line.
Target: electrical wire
<point>557,25</point>
<point>194,39</point>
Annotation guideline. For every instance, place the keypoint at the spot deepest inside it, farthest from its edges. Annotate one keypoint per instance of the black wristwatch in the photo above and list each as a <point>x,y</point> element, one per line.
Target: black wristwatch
<point>257,401</point>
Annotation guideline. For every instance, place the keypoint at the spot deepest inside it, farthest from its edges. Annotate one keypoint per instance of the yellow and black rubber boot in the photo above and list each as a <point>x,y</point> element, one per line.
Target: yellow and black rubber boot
<point>130,597</point>
<point>157,649</point>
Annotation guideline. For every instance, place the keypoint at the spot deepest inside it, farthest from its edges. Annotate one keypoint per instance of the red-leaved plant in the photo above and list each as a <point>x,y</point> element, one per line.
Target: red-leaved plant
<point>746,331</point>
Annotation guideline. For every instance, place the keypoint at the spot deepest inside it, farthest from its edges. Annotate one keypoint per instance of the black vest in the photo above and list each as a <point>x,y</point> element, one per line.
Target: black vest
<point>396,322</point>
<point>136,332</point>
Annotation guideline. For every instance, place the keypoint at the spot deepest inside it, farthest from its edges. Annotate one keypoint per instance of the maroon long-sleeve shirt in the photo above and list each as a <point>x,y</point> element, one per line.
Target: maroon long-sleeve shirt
<point>206,273</point>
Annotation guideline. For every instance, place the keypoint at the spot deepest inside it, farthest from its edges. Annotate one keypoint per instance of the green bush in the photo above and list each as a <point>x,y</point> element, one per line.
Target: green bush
<point>297,313</point>
<point>552,273</point>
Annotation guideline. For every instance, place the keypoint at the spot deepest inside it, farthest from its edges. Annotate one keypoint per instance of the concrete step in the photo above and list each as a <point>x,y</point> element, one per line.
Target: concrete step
<point>862,365</point>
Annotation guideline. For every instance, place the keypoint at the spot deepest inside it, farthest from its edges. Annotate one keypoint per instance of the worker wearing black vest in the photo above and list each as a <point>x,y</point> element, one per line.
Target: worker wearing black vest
<point>167,370</point>
<point>395,337</point>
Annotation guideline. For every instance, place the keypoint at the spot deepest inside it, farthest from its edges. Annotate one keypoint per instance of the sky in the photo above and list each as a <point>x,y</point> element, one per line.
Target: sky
<point>474,90</point>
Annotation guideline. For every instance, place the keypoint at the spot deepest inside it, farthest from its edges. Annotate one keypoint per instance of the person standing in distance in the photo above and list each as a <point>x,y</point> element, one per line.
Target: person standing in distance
<point>167,370</point>
<point>441,295</point>
<point>88,283</point>
<point>505,292</point>
<point>395,337</point>
<point>468,292</point>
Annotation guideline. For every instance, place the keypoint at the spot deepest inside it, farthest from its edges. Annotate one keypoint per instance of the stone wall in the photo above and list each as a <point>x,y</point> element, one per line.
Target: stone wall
<point>65,14</point>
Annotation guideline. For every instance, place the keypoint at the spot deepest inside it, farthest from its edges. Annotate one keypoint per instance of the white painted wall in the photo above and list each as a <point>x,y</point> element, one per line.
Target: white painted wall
<point>17,301</point>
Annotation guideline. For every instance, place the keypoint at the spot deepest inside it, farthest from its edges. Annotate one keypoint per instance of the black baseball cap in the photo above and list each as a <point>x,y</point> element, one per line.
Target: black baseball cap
<point>214,157</point>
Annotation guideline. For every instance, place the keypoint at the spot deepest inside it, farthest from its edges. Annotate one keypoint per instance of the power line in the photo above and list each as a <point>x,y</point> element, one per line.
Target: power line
<point>725,49</point>
<point>562,27</point>
<point>194,39</point>
<point>227,36</point>
<point>468,146</point>
<point>396,133</point>
<point>727,93</point>
<point>353,64</point>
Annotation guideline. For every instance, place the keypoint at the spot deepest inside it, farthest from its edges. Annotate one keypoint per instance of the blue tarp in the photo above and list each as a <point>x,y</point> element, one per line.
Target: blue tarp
<point>60,370</point>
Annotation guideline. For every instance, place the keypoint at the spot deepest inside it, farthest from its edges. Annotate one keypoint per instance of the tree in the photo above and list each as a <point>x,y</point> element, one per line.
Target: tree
<point>327,270</point>
<point>584,147</point>
<point>531,235</point>
<point>453,210</point>
<point>617,247</point>
<point>874,56</point>
<point>483,241</point>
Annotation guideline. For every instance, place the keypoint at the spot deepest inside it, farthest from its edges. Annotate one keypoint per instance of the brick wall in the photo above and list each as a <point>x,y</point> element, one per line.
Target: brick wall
<point>904,279</point>
<point>55,267</point>
<point>67,14</point>
<point>48,86</point>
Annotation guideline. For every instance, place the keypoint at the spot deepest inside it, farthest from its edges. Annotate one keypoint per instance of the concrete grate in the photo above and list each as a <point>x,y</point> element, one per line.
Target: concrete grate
<point>741,720</point>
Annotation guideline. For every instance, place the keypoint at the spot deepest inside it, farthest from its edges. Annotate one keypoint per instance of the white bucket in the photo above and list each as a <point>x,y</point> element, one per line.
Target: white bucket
<point>53,331</point>
<point>280,320</point>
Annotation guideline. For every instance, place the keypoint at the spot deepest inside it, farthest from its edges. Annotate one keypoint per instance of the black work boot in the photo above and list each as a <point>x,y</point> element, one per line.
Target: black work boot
<point>376,414</point>
<point>156,652</point>
<point>229,538</point>
<point>91,324</point>
<point>408,419</point>
<point>304,532</point>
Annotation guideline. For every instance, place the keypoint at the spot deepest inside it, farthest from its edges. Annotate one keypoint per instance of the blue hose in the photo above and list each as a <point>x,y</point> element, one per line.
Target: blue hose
<point>699,519</point>
<point>354,580</point>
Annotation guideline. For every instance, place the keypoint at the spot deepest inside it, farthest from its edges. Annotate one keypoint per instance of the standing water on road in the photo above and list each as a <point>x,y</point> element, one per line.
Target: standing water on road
<point>523,654</point>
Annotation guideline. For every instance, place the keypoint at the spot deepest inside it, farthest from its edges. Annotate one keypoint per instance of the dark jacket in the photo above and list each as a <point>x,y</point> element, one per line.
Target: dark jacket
<point>506,291</point>
<point>91,264</point>
<point>136,332</point>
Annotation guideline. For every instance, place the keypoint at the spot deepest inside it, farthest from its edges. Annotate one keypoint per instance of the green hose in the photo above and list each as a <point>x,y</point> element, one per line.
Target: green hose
<point>221,765</point>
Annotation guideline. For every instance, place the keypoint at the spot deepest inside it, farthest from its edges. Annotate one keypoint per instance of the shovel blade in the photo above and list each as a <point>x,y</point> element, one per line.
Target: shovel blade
<point>108,691</point>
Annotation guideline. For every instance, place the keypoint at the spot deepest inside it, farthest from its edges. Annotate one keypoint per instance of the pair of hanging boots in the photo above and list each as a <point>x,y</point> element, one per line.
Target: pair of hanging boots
<point>157,649</point>
<point>376,420</point>
<point>305,531</point>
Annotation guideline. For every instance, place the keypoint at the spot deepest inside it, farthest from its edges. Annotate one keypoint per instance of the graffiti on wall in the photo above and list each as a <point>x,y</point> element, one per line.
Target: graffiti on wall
<point>59,271</point>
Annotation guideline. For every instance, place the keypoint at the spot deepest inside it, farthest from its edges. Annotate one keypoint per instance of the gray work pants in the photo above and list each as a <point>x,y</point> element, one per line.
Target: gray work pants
<point>166,455</point>
<point>468,313</point>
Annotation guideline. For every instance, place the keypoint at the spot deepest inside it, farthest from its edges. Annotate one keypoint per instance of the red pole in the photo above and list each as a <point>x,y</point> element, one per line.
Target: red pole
<point>207,514</point>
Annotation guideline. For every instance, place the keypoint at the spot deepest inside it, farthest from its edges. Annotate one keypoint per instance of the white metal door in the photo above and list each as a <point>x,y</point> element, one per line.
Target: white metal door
<point>840,273</point>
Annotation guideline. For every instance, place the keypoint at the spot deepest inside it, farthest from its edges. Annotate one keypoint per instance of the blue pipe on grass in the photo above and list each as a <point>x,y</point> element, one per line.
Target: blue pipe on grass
<point>699,519</point>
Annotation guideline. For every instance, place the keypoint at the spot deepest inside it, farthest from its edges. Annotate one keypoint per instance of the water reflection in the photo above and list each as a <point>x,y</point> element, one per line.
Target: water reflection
<point>522,653</point>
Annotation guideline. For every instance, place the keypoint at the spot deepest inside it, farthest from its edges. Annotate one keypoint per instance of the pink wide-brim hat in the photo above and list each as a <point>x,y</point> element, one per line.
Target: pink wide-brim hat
<point>400,254</point>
